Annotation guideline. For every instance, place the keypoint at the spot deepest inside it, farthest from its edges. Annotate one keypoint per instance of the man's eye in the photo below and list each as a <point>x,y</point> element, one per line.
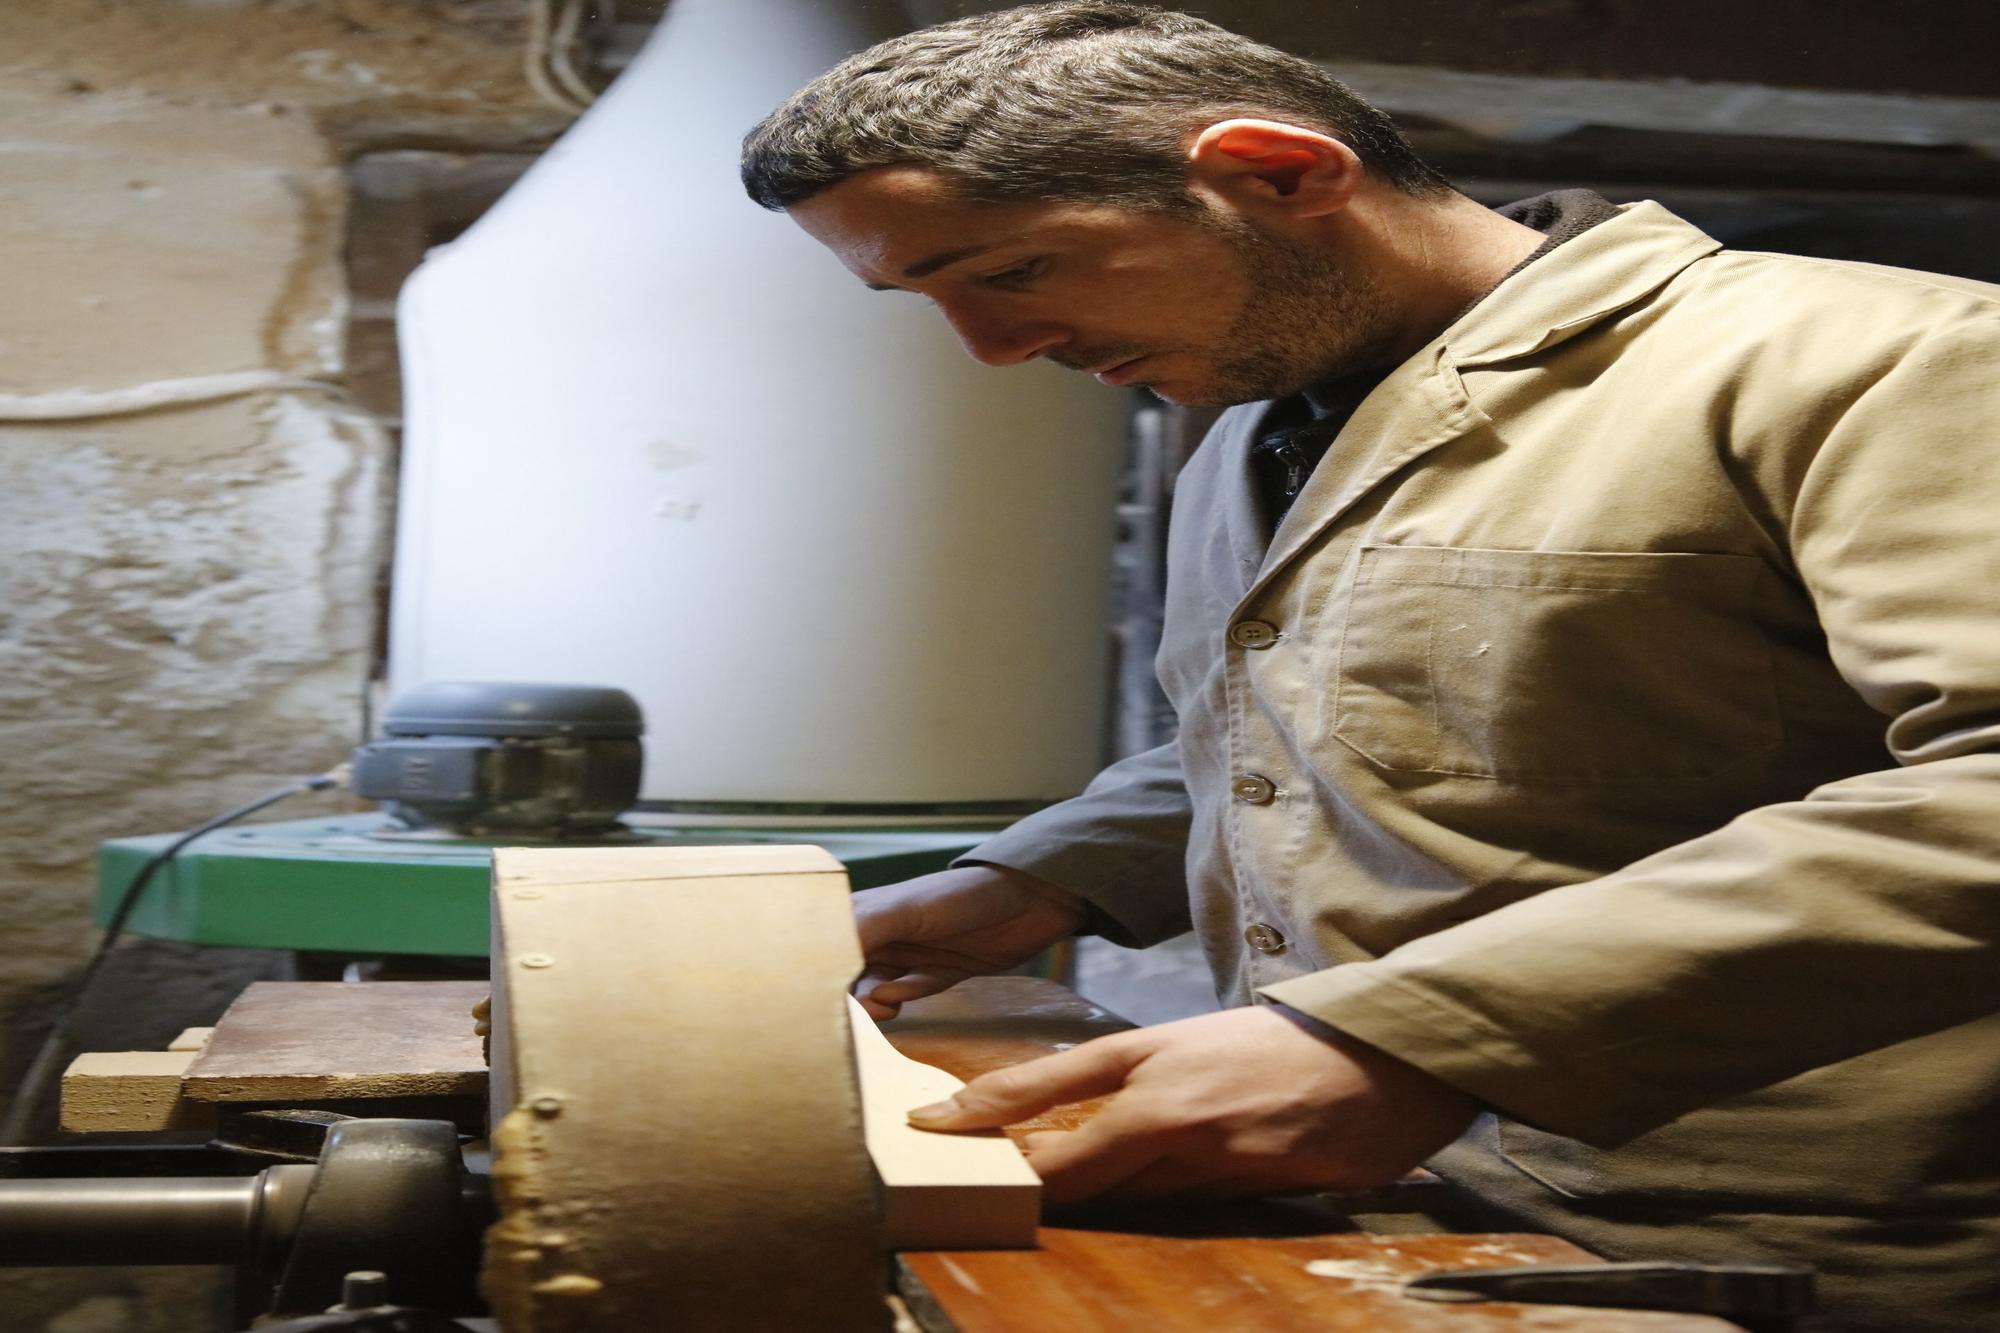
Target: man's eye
<point>1024,271</point>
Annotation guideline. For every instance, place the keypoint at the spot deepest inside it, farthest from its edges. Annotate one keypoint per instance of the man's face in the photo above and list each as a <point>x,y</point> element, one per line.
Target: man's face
<point>1205,312</point>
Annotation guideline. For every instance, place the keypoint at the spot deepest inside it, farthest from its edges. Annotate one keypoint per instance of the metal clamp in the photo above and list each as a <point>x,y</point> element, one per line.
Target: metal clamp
<point>1763,1296</point>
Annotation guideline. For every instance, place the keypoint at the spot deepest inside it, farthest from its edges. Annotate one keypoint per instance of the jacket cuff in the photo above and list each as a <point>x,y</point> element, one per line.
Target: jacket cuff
<point>1462,1048</point>
<point>1130,890</point>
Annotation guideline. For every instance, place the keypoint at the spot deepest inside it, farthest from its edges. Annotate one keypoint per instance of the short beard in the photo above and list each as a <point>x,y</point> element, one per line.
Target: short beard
<point>1306,317</point>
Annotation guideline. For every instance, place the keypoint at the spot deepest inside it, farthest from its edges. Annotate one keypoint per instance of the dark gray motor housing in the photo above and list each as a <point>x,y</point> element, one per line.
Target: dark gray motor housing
<point>486,759</point>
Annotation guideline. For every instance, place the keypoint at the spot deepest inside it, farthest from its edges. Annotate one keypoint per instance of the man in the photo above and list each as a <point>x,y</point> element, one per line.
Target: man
<point>1586,651</point>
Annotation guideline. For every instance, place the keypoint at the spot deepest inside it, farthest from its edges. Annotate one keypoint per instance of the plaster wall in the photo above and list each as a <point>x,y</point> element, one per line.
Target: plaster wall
<point>187,587</point>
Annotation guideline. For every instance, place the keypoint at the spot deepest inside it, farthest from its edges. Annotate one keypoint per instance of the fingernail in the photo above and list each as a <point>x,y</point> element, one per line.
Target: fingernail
<point>944,1110</point>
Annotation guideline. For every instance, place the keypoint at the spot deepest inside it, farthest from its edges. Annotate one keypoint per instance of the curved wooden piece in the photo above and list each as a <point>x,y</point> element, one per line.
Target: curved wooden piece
<point>677,1134</point>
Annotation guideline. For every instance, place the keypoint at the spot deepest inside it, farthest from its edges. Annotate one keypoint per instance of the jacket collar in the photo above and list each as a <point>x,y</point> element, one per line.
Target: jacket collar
<point>1423,403</point>
<point>1610,266</point>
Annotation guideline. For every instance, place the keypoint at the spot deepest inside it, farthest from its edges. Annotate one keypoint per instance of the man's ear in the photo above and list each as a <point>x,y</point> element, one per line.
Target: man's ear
<point>1260,164</point>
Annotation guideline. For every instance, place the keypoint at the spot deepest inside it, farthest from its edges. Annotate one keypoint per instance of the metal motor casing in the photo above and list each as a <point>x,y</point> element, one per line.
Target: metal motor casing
<point>477,758</point>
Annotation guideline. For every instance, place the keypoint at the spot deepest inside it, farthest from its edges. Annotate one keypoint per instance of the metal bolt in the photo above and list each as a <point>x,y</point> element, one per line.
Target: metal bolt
<point>537,960</point>
<point>548,1108</point>
<point>364,1290</point>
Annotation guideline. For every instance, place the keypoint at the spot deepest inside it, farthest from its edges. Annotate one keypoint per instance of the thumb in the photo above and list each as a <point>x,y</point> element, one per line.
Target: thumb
<point>1024,1090</point>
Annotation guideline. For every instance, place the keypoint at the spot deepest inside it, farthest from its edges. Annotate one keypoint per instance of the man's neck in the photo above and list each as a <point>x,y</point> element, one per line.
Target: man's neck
<point>1437,256</point>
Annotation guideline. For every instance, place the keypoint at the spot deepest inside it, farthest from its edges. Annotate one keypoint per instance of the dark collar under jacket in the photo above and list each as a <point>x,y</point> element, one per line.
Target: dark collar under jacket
<point>1298,430</point>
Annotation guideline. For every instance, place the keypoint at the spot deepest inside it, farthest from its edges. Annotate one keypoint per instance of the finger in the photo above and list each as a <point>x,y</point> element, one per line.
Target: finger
<point>880,919</point>
<point>875,1009</point>
<point>917,984</point>
<point>1019,1091</point>
<point>1078,1164</point>
<point>896,987</point>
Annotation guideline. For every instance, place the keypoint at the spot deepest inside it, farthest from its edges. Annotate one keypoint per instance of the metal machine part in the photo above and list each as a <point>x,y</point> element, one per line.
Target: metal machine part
<point>475,759</point>
<point>1758,1297</point>
<point>391,1196</point>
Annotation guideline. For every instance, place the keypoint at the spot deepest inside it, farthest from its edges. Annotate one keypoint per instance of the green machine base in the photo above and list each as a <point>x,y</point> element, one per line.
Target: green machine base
<point>327,885</point>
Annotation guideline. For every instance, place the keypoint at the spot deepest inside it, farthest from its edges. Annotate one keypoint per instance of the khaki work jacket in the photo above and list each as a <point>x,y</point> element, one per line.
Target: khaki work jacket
<point>1612,728</point>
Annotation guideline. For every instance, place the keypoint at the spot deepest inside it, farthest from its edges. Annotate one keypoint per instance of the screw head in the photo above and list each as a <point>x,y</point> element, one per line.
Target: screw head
<point>364,1289</point>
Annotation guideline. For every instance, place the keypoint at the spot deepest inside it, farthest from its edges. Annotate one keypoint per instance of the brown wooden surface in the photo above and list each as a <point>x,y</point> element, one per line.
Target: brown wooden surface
<point>328,1040</point>
<point>1138,1273</point>
<point>1198,1267</point>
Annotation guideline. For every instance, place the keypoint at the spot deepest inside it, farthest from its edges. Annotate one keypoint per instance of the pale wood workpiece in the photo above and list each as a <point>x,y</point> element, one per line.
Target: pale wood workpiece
<point>139,1092</point>
<point>940,1191</point>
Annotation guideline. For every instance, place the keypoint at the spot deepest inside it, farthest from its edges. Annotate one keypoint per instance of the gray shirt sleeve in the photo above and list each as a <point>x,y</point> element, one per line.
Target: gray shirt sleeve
<point>1121,845</point>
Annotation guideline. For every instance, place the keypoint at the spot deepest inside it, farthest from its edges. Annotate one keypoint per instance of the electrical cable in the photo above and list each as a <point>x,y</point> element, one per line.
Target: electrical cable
<point>562,53</point>
<point>554,30</point>
<point>48,1061</point>
<point>536,60</point>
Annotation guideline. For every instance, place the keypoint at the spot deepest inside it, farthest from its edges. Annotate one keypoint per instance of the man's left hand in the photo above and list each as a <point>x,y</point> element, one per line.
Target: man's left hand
<point>1247,1101</point>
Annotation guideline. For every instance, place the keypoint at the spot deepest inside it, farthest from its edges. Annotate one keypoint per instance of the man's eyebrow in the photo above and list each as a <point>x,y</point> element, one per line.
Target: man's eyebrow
<point>923,268</point>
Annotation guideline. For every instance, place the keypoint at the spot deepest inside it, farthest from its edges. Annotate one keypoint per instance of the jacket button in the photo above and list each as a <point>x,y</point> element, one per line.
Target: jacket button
<point>1265,939</point>
<point>1253,634</point>
<point>1253,789</point>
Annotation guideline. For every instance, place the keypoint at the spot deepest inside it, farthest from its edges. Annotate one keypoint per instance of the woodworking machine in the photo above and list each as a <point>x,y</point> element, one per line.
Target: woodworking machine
<point>671,1137</point>
<point>300,1202</point>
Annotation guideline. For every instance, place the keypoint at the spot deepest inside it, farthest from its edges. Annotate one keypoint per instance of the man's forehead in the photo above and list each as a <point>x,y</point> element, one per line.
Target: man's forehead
<point>885,219</point>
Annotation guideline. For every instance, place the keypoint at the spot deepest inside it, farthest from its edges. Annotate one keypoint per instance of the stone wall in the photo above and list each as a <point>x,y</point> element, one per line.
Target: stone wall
<point>188,573</point>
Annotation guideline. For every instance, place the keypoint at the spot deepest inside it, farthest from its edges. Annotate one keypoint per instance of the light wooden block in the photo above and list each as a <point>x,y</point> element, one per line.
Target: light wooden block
<point>191,1039</point>
<point>940,1191</point>
<point>129,1091</point>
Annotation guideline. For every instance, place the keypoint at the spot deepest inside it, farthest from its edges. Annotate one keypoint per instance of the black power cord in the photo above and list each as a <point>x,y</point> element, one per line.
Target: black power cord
<point>49,1058</point>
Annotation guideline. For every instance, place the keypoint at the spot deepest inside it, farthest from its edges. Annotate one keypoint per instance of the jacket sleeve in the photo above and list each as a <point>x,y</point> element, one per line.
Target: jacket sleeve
<point>1121,845</point>
<point>1800,933</point>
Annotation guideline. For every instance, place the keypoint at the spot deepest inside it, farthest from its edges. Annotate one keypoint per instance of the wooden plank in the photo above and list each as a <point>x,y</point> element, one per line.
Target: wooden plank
<point>108,1092</point>
<point>1202,1278</point>
<point>939,1191</point>
<point>318,1041</point>
<point>191,1039</point>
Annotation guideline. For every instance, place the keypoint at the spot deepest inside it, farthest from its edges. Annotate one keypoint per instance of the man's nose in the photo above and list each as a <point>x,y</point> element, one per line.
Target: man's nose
<point>1000,339</point>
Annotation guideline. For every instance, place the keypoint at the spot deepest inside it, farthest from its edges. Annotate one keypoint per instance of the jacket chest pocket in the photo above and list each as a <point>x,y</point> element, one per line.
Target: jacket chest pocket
<point>1554,666</point>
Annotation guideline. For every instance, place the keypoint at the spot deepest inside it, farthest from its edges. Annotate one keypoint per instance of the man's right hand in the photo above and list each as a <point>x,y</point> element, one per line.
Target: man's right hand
<point>928,934</point>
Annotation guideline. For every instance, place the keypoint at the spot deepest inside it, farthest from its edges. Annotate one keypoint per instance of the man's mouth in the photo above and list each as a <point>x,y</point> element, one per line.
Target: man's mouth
<point>1118,372</point>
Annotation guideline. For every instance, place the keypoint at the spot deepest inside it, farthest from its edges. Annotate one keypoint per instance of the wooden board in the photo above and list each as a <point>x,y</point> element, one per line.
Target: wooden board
<point>677,1139</point>
<point>318,1041</point>
<point>939,1191</point>
<point>106,1092</point>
